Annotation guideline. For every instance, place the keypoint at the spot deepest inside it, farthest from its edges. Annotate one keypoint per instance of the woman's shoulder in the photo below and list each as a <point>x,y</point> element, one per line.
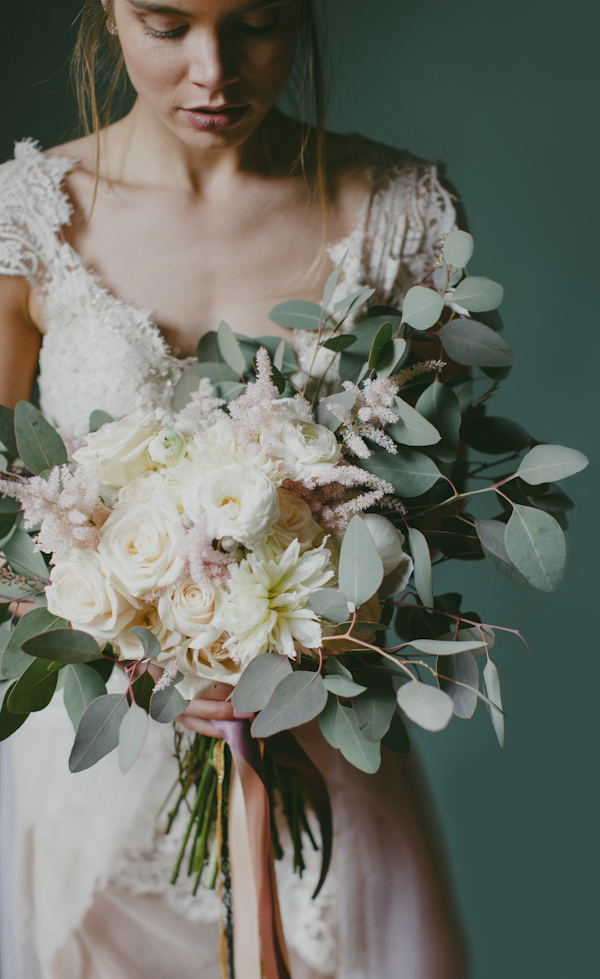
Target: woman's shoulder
<point>378,163</point>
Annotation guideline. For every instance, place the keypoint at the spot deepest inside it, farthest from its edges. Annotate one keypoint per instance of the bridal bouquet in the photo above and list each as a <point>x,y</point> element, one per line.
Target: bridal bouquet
<point>281,542</point>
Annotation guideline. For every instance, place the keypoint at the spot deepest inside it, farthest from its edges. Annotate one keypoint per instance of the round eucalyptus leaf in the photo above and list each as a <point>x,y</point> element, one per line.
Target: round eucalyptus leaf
<point>258,681</point>
<point>63,646</point>
<point>328,720</point>
<point>98,419</point>
<point>410,473</point>
<point>168,704</point>
<point>391,357</point>
<point>361,753</point>
<point>458,249</point>
<point>439,405</point>
<point>494,435</point>
<point>459,678</point>
<point>8,514</point>
<point>427,706</point>
<point>491,684</point>
<point>297,699</point>
<point>477,294</point>
<point>15,661</point>
<point>298,314</point>
<point>143,688</point>
<point>491,537</point>
<point>185,387</point>
<point>329,604</point>
<point>40,446</point>
<point>132,734</point>
<point>230,349</point>
<point>536,546</point>
<point>360,570</point>
<point>81,685</point>
<point>422,308</point>
<point>469,342</point>
<point>423,574</point>
<point>98,731</point>
<point>333,667</point>
<point>148,640</point>
<point>546,463</point>
<point>325,417</point>
<point>375,709</point>
<point>341,686</point>
<point>411,428</point>
<point>342,342</point>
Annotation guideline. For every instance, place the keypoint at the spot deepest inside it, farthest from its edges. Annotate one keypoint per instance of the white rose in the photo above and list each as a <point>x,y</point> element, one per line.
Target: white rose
<point>139,544</point>
<point>143,489</point>
<point>306,447</point>
<point>83,591</point>
<point>120,448</point>
<point>167,448</point>
<point>190,609</point>
<point>236,501</point>
<point>295,521</point>
<point>129,647</point>
<point>202,668</point>
<point>397,565</point>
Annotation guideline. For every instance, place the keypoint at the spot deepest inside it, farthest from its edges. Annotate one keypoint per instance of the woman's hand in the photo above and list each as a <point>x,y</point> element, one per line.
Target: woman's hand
<point>212,706</point>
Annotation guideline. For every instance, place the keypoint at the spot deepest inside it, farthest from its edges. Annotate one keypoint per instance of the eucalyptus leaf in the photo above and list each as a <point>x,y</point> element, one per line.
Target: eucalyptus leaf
<point>33,623</point>
<point>325,417</point>
<point>23,559</point>
<point>148,640</point>
<point>328,720</point>
<point>397,737</point>
<point>439,405</point>
<point>98,419</point>
<point>98,731</point>
<point>132,734</point>
<point>411,428</point>
<point>422,308</point>
<point>382,337</point>
<point>168,704</point>
<point>333,667</point>
<point>546,463</point>
<point>338,343</point>
<point>458,249</point>
<point>491,535</point>
<point>458,674</point>
<point>552,498</point>
<point>329,604</point>
<point>341,686</point>
<point>427,706</point>
<point>423,574</point>
<point>536,546</point>
<point>230,349</point>
<point>40,446</point>
<point>8,514</point>
<point>299,698</point>
<point>208,348</point>
<point>332,281</point>
<point>258,681</point>
<point>491,684</point>
<point>353,301</point>
<point>391,357</point>
<point>185,387</point>
<point>7,430</point>
<point>34,690</point>
<point>228,390</point>
<point>63,646</point>
<point>289,363</point>
<point>81,685</point>
<point>374,709</point>
<point>495,435</point>
<point>355,748</point>
<point>9,723</point>
<point>410,473</point>
<point>360,570</point>
<point>468,342</point>
<point>143,688</point>
<point>298,314</point>
<point>477,294</point>
<point>440,647</point>
<point>216,372</point>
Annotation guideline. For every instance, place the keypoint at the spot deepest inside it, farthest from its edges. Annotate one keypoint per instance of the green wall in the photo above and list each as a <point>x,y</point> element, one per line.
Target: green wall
<point>504,92</point>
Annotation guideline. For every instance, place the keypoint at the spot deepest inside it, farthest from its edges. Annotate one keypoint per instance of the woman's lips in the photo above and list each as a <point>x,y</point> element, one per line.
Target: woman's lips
<point>210,119</point>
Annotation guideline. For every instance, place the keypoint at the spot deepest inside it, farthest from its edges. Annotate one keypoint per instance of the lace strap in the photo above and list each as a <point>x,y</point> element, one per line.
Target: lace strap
<point>33,209</point>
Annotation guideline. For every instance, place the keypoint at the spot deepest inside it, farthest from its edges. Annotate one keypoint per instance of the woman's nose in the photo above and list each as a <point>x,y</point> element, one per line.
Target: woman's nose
<point>212,67</point>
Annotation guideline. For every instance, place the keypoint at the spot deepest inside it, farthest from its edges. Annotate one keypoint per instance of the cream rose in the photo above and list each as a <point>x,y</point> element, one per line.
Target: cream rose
<point>307,448</point>
<point>139,541</point>
<point>167,448</point>
<point>235,501</point>
<point>129,647</point>
<point>83,591</point>
<point>190,609</point>
<point>202,668</point>
<point>295,522</point>
<point>120,448</point>
<point>143,489</point>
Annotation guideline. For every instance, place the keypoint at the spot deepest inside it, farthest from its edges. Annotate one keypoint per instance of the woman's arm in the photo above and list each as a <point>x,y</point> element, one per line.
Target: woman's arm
<point>19,342</point>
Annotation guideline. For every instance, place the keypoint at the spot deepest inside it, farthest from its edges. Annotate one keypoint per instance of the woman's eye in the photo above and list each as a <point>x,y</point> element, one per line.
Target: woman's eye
<point>254,30</point>
<point>176,32</point>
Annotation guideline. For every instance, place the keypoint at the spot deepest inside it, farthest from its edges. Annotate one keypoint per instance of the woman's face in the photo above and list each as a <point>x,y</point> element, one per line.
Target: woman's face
<point>209,69</point>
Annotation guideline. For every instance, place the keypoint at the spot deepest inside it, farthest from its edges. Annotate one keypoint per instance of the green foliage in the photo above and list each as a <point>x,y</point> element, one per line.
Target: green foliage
<point>477,294</point>
<point>397,737</point>
<point>392,357</point>
<point>34,689</point>
<point>427,706</point>
<point>230,349</point>
<point>341,686</point>
<point>340,342</point>
<point>458,249</point>
<point>258,681</point>
<point>332,282</point>
<point>375,709</point>
<point>185,387</point>
<point>132,734</point>
<point>491,535</point>
<point>491,685</point>
<point>150,643</point>
<point>8,515</point>
<point>63,646</point>
<point>326,417</point>
<point>329,604</point>
<point>40,446</point>
<point>422,308</point>
<point>34,623</point>
<point>167,704</point>
<point>412,428</point>
<point>328,720</point>
<point>410,473</point>
<point>297,699</point>
<point>382,337</point>
<point>419,549</point>
<point>7,430</point>
<point>546,463</point>
<point>23,559</point>
<point>81,685</point>
<point>9,723</point>
<point>439,405</point>
<point>495,436</point>
<point>536,546</point>
<point>143,688</point>
<point>360,571</point>
<point>98,419</point>
<point>299,314</point>
<point>469,342</point>
<point>459,678</point>
<point>98,731</point>
<point>355,748</point>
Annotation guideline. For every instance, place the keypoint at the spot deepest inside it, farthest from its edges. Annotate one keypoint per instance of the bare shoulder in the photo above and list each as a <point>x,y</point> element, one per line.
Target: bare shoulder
<point>82,150</point>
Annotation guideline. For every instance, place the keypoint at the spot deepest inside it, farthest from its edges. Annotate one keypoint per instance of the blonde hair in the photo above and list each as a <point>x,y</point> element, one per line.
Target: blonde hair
<point>101,84</point>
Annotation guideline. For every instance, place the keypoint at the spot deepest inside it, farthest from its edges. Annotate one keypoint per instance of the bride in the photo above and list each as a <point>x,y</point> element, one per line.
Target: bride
<point>118,251</point>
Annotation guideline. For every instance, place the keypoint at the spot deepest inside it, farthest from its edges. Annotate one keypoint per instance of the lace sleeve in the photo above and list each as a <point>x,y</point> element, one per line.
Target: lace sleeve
<point>410,211</point>
<point>33,208</point>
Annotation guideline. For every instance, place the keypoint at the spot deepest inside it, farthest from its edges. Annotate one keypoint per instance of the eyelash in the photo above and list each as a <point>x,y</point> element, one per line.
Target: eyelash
<point>180,31</point>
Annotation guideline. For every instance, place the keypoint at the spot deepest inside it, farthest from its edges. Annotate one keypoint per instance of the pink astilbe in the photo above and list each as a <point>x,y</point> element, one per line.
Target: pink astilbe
<point>201,404</point>
<point>204,564</point>
<point>168,676</point>
<point>338,494</point>
<point>67,505</point>
<point>257,409</point>
<point>372,409</point>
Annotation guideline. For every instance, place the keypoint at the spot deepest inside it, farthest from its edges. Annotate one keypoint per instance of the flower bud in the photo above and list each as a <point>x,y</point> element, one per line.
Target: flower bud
<point>167,448</point>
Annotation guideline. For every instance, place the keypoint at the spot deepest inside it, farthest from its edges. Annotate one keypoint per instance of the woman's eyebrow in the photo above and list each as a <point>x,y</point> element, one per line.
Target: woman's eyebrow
<point>161,8</point>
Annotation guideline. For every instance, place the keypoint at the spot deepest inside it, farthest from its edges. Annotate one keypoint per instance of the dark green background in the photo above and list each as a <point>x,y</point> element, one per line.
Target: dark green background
<point>505,92</point>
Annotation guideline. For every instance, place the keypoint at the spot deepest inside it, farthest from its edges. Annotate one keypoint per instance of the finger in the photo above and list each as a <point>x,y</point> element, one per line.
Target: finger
<point>239,716</point>
<point>219,691</point>
<point>199,726</point>
<point>219,710</point>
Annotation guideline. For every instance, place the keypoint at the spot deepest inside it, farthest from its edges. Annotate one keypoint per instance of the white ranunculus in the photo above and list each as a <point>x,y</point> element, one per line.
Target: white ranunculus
<point>266,607</point>
<point>139,544</point>
<point>84,592</point>
<point>167,448</point>
<point>306,448</point>
<point>235,501</point>
<point>120,449</point>
<point>143,489</point>
<point>295,522</point>
<point>190,609</point>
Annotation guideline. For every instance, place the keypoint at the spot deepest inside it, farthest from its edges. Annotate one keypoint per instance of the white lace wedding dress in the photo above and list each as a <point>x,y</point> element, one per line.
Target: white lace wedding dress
<point>84,865</point>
